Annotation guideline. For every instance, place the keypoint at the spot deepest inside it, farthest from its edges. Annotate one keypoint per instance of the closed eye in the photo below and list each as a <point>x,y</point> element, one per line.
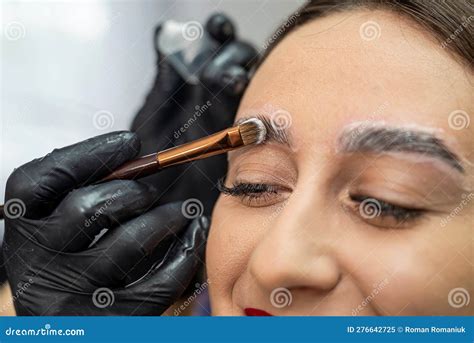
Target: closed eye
<point>254,194</point>
<point>382,213</point>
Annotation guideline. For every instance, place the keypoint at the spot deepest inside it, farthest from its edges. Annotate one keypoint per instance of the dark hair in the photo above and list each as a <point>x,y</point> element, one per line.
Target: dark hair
<point>450,22</point>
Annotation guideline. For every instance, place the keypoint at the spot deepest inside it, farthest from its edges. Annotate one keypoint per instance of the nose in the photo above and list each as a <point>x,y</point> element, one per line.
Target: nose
<point>295,252</point>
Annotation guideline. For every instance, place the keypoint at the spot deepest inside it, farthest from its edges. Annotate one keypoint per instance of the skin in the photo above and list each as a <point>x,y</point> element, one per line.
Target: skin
<point>309,237</point>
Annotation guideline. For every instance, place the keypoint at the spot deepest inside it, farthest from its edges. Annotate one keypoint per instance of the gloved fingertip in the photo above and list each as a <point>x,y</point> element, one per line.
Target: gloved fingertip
<point>195,237</point>
<point>156,34</point>
<point>123,145</point>
<point>205,223</point>
<point>221,28</point>
<point>168,79</point>
<point>235,79</point>
<point>145,186</point>
<point>126,138</point>
<point>174,207</point>
<point>131,139</point>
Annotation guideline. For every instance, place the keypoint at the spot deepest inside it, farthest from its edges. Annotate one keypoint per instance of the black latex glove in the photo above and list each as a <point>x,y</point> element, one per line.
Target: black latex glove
<point>171,105</point>
<point>54,264</point>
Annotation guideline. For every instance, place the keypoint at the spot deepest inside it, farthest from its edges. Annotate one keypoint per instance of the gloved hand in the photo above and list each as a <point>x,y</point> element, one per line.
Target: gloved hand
<point>185,112</point>
<point>57,264</point>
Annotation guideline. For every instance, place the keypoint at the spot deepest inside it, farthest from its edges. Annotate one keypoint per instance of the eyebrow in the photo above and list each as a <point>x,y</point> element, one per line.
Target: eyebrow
<point>367,137</point>
<point>275,133</point>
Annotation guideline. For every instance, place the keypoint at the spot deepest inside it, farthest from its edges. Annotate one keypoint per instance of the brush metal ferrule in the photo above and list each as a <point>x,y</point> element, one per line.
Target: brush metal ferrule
<point>214,144</point>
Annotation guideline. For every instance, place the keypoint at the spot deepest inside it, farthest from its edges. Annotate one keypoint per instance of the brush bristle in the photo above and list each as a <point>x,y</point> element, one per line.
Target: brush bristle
<point>252,131</point>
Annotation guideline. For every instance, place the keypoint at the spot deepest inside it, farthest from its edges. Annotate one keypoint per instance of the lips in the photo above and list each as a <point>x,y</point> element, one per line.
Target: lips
<point>255,312</point>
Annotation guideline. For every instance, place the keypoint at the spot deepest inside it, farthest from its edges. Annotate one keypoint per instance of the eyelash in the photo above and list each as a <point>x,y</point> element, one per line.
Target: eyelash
<point>260,194</point>
<point>385,209</point>
<point>251,194</point>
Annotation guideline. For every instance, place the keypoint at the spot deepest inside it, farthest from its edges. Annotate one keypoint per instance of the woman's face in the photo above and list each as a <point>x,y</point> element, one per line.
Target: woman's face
<point>360,202</point>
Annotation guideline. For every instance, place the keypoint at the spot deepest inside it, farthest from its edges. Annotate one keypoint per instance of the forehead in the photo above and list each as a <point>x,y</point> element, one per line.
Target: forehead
<point>333,71</point>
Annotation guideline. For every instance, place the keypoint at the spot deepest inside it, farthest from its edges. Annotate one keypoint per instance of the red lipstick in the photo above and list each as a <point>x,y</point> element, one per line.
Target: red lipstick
<point>254,312</point>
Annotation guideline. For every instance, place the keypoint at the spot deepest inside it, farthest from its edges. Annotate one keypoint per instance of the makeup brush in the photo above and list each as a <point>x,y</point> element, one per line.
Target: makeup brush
<point>250,131</point>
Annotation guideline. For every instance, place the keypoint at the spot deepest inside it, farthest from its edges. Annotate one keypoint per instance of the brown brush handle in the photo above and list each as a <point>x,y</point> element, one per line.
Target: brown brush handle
<point>140,167</point>
<point>217,143</point>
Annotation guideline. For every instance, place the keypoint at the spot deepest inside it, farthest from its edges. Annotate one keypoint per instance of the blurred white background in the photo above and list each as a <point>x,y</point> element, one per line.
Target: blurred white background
<point>63,61</point>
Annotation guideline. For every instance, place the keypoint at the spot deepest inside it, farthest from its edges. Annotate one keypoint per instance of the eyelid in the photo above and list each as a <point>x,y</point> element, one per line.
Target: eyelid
<point>255,194</point>
<point>270,164</point>
<point>260,173</point>
<point>381,213</point>
<point>424,186</point>
<point>261,150</point>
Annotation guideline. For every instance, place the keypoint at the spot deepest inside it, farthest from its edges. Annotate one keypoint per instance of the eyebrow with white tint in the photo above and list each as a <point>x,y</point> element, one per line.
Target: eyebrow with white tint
<point>380,138</point>
<point>275,133</point>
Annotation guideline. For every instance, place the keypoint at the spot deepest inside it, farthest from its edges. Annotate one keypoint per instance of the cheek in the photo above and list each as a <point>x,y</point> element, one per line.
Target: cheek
<point>231,241</point>
<point>412,271</point>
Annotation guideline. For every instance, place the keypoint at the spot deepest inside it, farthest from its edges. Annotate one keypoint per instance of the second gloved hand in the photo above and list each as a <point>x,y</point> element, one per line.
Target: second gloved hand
<point>57,261</point>
<point>176,112</point>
